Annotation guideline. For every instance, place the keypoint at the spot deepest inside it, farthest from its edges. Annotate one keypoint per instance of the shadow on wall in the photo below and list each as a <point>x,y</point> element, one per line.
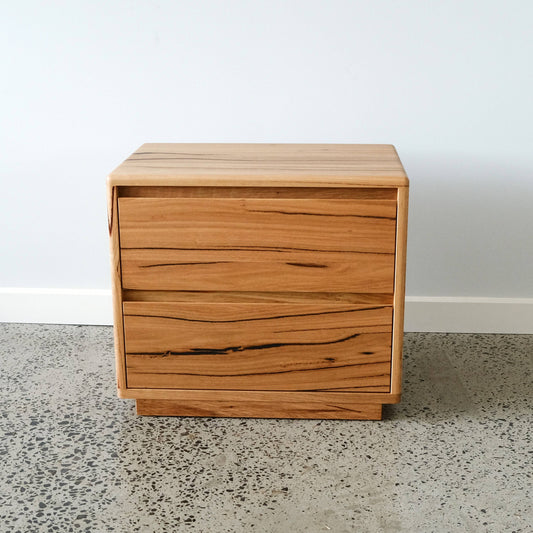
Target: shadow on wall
<point>470,226</point>
<point>465,375</point>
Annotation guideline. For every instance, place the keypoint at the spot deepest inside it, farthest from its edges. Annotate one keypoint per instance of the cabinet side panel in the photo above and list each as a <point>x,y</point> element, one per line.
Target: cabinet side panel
<point>116,286</point>
<point>399,290</point>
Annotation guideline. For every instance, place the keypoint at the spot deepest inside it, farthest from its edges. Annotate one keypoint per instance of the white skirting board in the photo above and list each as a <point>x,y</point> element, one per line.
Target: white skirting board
<point>468,315</point>
<point>56,306</point>
<point>422,313</point>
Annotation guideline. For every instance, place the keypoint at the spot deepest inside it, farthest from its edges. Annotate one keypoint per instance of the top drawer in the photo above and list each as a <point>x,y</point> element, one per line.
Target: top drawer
<point>315,225</point>
<point>258,244</point>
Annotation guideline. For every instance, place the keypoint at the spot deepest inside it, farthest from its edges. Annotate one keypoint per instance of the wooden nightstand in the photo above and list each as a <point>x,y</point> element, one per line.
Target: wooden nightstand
<point>259,280</point>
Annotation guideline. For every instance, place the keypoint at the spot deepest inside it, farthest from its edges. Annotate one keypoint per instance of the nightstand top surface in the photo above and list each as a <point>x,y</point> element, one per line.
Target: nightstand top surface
<point>262,165</point>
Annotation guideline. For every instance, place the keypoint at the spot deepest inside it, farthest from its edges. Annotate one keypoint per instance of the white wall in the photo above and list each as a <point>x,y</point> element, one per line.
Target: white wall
<point>449,83</point>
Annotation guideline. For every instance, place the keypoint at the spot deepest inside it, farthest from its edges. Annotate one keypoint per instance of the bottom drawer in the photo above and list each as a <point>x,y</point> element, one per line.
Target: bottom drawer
<point>258,346</point>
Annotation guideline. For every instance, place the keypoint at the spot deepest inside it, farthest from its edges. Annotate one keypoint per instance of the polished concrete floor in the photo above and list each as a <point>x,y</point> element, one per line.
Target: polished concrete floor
<point>455,455</point>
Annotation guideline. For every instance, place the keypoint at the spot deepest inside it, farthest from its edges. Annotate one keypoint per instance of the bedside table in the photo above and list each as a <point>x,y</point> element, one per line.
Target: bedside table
<point>259,280</point>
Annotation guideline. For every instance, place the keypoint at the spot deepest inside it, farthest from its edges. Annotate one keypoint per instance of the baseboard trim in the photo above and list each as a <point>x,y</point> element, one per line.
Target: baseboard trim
<point>422,313</point>
<point>56,306</point>
<point>468,315</point>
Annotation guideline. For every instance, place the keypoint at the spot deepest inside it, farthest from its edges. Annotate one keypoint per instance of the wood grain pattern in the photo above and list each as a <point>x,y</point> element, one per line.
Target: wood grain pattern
<point>135,295</point>
<point>307,193</point>
<point>259,280</point>
<point>263,165</point>
<point>399,290</point>
<point>258,346</point>
<point>279,225</point>
<point>205,270</point>
<point>116,286</point>
<point>281,397</point>
<point>347,410</point>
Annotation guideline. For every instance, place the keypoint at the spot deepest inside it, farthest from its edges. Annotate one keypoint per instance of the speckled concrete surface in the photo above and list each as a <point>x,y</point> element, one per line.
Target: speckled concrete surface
<point>455,455</point>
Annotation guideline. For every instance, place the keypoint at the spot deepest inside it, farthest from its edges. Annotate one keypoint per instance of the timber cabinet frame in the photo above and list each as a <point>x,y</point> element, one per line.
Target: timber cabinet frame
<point>259,280</point>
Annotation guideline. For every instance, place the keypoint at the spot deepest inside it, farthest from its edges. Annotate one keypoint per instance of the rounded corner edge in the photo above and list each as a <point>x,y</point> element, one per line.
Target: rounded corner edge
<point>121,393</point>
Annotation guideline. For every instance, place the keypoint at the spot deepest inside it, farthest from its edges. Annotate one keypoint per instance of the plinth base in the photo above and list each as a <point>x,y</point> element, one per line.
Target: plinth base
<point>260,409</point>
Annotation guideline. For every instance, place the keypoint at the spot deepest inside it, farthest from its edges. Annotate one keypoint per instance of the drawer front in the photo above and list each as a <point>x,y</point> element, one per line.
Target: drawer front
<point>255,346</point>
<point>223,271</point>
<point>258,244</point>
